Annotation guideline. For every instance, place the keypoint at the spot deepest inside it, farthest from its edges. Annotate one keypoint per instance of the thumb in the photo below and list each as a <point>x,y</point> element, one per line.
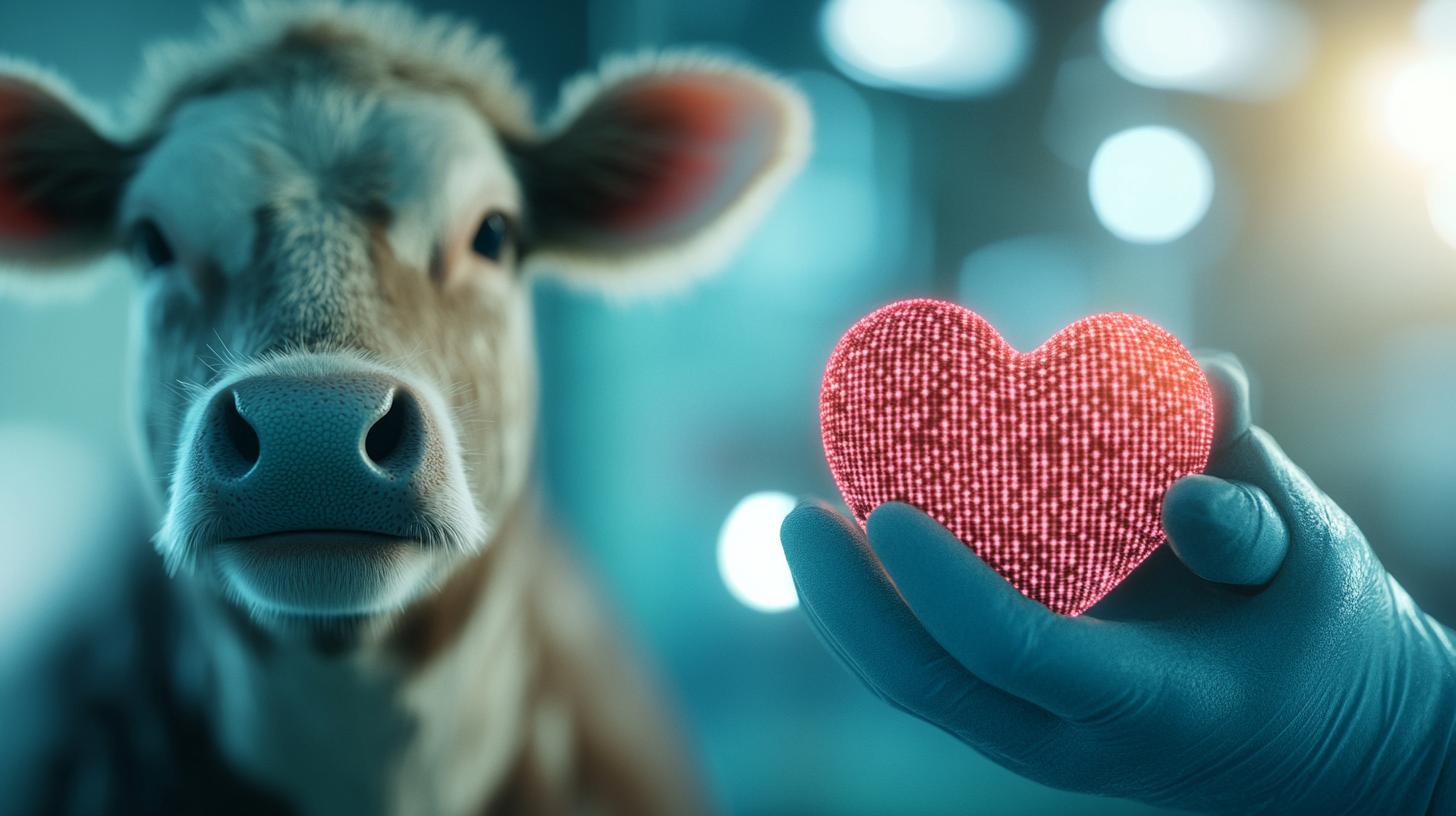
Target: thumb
<point>1227,532</point>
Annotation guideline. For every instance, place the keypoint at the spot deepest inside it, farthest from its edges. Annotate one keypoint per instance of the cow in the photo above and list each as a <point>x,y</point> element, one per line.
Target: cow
<point>335,213</point>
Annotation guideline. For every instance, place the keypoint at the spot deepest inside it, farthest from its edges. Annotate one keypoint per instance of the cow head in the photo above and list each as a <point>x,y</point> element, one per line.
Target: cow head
<point>334,215</point>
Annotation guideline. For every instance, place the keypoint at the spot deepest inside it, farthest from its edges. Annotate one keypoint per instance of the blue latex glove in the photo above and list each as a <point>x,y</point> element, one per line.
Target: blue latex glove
<point>1267,662</point>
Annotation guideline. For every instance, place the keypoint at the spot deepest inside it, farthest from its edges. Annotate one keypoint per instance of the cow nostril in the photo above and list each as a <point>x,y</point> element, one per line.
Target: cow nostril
<point>240,433</point>
<point>385,437</point>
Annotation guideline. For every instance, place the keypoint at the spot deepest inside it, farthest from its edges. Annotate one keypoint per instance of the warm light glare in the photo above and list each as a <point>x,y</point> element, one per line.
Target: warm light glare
<point>1232,47</point>
<point>930,47</point>
<point>1418,115</point>
<point>1441,203</point>
<point>1150,185</point>
<point>750,557</point>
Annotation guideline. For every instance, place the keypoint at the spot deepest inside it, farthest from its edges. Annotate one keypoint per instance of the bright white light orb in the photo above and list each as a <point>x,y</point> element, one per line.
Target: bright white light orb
<point>1248,48</point>
<point>936,48</point>
<point>1150,185</point>
<point>1418,116</point>
<point>750,557</point>
<point>1164,41</point>
<point>1441,203</point>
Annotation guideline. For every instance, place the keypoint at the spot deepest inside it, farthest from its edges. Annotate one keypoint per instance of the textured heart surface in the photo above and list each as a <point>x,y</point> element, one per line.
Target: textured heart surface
<point>1051,464</point>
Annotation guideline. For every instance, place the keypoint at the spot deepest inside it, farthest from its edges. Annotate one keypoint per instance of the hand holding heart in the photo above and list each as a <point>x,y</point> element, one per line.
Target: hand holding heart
<point>1265,663</point>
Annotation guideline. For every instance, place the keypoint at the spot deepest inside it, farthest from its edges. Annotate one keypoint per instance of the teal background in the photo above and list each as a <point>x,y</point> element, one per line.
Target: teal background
<point>1316,265</point>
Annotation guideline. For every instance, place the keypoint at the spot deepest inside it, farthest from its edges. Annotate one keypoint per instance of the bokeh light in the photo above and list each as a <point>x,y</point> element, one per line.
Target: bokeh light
<point>750,557</point>
<point>1441,204</point>
<point>935,48</point>
<point>1250,48</point>
<point>1417,112</point>
<point>1150,185</point>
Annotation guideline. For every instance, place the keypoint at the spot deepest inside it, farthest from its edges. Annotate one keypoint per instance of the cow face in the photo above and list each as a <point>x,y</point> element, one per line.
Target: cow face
<point>333,238</point>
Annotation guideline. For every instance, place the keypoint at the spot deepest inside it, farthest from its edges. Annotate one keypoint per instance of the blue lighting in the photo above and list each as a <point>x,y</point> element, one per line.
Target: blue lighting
<point>1150,185</point>
<point>934,48</point>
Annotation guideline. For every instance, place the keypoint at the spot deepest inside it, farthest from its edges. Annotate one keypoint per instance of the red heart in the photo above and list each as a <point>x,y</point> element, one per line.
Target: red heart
<point>1051,464</point>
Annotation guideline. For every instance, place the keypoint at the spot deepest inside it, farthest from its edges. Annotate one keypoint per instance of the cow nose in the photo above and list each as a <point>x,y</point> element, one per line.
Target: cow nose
<point>292,453</point>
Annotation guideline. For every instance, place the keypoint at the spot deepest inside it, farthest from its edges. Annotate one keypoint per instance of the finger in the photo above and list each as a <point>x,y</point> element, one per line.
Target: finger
<point>1247,453</point>
<point>1227,532</point>
<point>1069,666</point>
<point>1320,533</point>
<point>1315,526</point>
<point>1230,385</point>
<point>861,617</point>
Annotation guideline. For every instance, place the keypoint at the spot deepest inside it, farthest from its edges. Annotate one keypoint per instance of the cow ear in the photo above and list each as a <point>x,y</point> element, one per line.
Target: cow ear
<point>656,167</point>
<point>60,177</point>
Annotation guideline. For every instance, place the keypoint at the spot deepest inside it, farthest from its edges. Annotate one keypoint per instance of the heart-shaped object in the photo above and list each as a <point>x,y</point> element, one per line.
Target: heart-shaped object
<point>1051,464</point>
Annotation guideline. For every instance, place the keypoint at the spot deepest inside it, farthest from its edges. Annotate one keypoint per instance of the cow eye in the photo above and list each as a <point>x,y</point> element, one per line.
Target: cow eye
<point>149,245</point>
<point>493,240</point>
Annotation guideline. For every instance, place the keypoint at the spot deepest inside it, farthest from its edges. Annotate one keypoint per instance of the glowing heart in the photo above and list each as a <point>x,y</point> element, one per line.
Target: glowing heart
<point>1051,465</point>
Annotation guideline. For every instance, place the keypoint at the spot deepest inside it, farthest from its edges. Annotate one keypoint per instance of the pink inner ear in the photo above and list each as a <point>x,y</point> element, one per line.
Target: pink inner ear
<point>17,218</point>
<point>16,221</point>
<point>692,125</point>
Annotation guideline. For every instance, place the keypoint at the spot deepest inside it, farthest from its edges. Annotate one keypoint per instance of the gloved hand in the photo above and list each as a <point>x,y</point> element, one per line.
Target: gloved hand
<point>1265,662</point>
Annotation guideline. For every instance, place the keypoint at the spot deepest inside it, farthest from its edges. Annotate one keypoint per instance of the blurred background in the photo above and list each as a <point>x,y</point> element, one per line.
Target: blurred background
<point>1271,177</point>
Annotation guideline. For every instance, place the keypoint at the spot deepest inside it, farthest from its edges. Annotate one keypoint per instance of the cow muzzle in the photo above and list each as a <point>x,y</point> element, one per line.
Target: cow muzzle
<point>320,490</point>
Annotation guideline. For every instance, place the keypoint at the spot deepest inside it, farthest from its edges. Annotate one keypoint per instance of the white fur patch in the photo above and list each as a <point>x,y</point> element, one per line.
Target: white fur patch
<point>449,171</point>
<point>395,33</point>
<point>200,183</point>
<point>203,182</point>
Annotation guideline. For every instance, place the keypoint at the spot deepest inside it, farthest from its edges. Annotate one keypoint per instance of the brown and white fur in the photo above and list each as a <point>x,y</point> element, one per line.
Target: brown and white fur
<point>317,174</point>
